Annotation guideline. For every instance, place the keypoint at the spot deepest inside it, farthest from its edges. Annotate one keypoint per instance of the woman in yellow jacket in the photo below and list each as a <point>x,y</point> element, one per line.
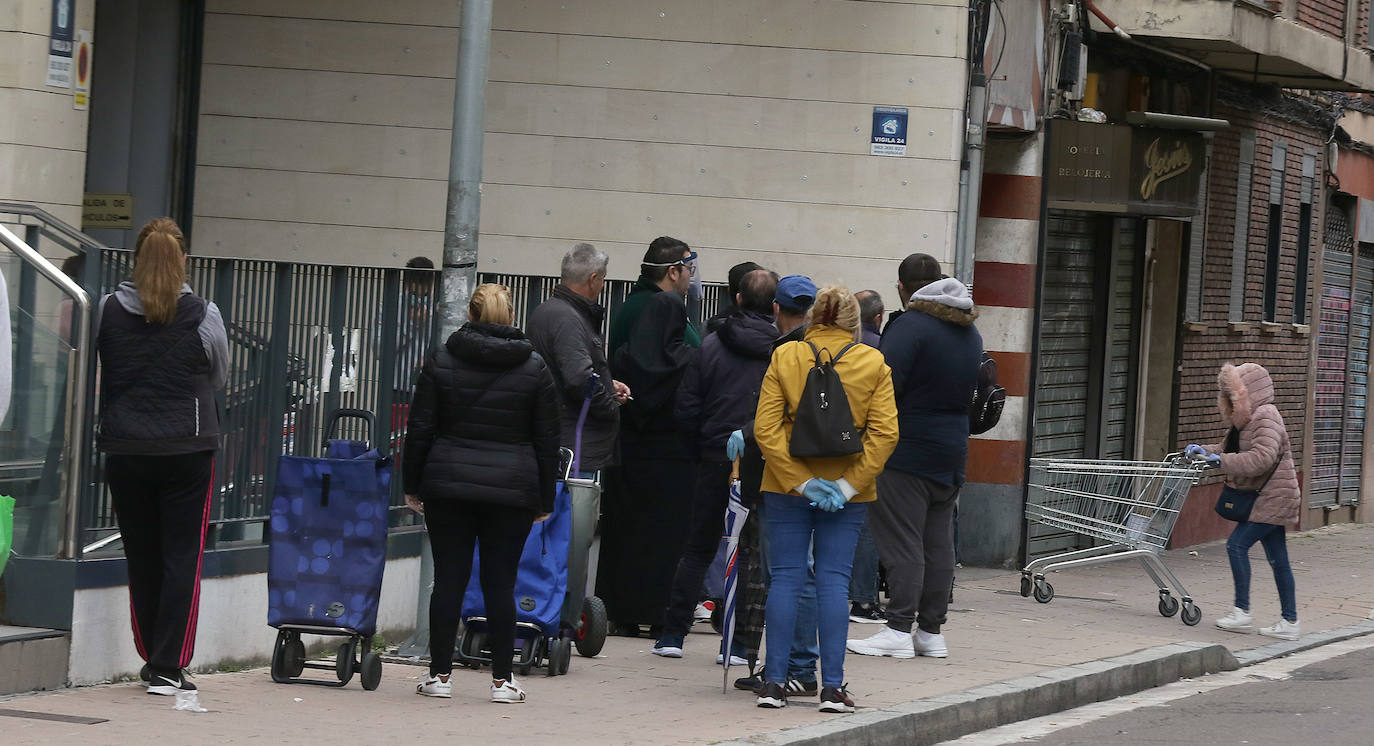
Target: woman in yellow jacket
<point>820,501</point>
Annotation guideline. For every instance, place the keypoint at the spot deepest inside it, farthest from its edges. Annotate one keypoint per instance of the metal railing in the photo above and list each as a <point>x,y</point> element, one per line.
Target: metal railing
<point>71,452</point>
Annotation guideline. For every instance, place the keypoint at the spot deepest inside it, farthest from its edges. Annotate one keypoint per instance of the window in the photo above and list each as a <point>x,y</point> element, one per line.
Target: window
<point>1241,241</point>
<point>1309,172</point>
<point>1197,241</point>
<point>1275,237</point>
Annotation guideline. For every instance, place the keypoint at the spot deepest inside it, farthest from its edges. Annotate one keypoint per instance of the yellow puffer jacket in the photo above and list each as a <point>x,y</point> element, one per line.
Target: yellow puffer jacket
<point>867,383</point>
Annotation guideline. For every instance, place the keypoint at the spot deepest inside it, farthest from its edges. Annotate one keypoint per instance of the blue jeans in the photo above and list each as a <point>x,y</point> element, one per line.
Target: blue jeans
<point>793,528</point>
<point>802,657</point>
<point>1275,550</point>
<point>863,582</point>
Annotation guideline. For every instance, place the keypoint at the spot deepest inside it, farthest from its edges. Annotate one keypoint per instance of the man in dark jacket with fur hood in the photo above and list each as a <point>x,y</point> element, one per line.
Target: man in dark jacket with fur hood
<point>719,393</point>
<point>934,352</point>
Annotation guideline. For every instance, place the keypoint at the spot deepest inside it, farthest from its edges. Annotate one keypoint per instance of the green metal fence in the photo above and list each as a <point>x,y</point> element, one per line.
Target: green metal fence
<point>304,340</point>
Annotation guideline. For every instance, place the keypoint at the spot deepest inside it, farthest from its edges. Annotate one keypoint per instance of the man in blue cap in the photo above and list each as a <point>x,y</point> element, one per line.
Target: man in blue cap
<point>791,306</point>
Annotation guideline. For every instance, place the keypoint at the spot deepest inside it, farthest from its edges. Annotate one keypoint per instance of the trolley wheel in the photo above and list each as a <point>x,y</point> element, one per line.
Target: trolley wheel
<point>1168,605</point>
<point>1044,592</point>
<point>344,665</point>
<point>592,627</point>
<point>552,648</point>
<point>1025,586</point>
<point>145,674</point>
<point>564,657</point>
<point>372,671</point>
<point>1191,614</point>
<point>523,670</point>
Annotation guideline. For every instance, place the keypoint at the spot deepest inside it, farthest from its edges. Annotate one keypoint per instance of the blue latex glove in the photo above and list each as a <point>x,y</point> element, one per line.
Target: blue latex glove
<point>734,445</point>
<point>1213,459</point>
<point>823,494</point>
<point>1195,450</point>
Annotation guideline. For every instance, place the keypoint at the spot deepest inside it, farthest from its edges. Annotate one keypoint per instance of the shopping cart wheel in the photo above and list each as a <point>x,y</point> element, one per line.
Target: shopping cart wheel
<point>551,659</point>
<point>564,657</point>
<point>1025,586</point>
<point>1191,614</point>
<point>372,671</point>
<point>1168,605</point>
<point>344,663</point>
<point>592,627</point>
<point>1044,592</point>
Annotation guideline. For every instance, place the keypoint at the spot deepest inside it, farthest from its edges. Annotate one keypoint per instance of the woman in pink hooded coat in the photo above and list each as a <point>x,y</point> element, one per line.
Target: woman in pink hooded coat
<point>1256,457</point>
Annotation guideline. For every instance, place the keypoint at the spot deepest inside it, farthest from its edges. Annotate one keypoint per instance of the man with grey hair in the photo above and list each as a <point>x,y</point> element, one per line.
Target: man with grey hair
<point>566,331</point>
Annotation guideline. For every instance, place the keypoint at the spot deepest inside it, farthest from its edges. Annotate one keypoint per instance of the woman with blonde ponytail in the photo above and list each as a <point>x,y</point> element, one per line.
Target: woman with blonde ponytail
<point>163,353</point>
<point>817,505</point>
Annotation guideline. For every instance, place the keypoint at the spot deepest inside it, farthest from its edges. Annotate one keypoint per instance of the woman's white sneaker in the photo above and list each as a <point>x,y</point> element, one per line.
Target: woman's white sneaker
<point>889,642</point>
<point>1239,620</point>
<point>506,691</point>
<point>1283,630</point>
<point>435,686</point>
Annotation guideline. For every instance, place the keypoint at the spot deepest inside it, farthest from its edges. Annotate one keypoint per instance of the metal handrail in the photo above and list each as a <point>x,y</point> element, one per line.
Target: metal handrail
<point>53,226</point>
<point>76,382</point>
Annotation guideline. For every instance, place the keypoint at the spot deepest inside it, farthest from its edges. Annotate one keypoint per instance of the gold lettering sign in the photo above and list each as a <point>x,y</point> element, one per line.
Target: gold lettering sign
<point>1160,166</point>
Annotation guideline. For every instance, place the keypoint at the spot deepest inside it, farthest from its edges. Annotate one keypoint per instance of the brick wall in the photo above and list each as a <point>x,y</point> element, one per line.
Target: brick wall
<point>1326,16</point>
<point>1285,353</point>
<point>1362,24</point>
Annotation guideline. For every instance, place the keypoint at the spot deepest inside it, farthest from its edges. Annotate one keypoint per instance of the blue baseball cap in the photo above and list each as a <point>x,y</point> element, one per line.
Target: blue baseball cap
<point>795,293</point>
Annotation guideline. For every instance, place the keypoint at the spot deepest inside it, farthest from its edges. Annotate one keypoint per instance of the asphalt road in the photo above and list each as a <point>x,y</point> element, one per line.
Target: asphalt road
<point>1329,703</point>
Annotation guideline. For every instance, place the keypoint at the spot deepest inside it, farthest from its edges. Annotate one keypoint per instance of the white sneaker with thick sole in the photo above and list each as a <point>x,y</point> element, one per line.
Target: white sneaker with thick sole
<point>435,686</point>
<point>1283,630</point>
<point>506,692</point>
<point>931,646</point>
<point>1239,620</point>
<point>735,660</point>
<point>889,642</point>
<point>703,611</point>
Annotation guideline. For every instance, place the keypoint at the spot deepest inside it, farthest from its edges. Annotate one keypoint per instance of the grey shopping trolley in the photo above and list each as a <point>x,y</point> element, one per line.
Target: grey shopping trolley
<point>1128,507</point>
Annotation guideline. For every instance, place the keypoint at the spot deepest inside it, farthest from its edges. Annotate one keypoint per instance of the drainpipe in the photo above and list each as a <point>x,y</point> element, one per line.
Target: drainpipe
<point>975,129</point>
<point>459,276</point>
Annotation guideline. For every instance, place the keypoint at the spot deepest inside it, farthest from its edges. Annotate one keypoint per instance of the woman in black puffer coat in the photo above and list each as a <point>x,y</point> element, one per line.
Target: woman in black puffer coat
<point>480,463</point>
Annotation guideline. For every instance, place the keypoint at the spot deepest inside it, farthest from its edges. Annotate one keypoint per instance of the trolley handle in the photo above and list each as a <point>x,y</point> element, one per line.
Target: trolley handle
<point>331,424</point>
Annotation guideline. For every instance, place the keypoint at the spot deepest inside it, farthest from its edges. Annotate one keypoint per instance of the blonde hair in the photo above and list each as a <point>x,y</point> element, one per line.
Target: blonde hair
<point>836,306</point>
<point>160,269</point>
<point>491,304</point>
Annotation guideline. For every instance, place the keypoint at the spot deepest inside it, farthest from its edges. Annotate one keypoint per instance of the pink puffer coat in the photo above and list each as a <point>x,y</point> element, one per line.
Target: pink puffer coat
<point>1246,401</point>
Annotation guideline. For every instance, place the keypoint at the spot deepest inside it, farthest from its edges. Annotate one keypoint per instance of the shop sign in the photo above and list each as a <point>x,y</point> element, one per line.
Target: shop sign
<point>1117,168</point>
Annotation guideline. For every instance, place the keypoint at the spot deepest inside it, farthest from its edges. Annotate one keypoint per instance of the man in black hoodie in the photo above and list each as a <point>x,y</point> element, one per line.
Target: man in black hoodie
<point>719,393</point>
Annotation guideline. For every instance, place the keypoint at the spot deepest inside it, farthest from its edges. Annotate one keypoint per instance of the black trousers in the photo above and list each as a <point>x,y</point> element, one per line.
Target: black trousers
<point>162,504</point>
<point>455,528</point>
<point>705,527</point>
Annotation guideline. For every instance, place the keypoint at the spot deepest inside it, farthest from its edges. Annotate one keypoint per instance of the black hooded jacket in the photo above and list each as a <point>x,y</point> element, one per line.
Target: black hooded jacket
<point>484,423</point>
<point>720,389</point>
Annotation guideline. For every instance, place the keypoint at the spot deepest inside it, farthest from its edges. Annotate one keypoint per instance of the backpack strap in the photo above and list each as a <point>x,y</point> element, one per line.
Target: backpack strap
<point>843,350</point>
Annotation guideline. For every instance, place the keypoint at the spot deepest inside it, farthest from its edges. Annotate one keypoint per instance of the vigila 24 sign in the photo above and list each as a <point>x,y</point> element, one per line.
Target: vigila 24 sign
<point>1115,168</point>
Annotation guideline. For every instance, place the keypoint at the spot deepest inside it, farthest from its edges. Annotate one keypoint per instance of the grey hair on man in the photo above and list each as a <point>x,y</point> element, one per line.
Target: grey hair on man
<point>581,262</point>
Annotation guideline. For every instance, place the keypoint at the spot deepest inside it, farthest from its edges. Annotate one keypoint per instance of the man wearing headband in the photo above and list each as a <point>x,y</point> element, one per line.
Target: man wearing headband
<point>648,499</point>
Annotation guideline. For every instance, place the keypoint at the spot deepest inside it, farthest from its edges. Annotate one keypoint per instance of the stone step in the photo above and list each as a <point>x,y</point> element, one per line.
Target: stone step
<point>33,659</point>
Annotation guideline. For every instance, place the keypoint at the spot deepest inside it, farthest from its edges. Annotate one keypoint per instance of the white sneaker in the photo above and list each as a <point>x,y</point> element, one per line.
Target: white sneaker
<point>735,660</point>
<point>507,691</point>
<point>704,611</point>
<point>888,642</point>
<point>931,646</point>
<point>1239,620</point>
<point>1283,629</point>
<point>435,686</point>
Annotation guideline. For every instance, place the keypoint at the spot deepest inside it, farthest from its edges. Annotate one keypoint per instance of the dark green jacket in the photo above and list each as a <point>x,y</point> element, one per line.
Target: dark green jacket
<point>651,343</point>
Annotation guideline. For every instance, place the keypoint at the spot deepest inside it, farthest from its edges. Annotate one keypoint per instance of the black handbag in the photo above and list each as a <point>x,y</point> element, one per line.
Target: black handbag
<point>1235,505</point>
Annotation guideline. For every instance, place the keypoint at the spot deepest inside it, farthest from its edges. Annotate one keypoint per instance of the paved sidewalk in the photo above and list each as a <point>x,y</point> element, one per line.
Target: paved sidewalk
<point>629,696</point>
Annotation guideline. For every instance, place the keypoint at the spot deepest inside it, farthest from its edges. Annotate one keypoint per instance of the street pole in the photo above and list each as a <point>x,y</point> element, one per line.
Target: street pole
<point>459,276</point>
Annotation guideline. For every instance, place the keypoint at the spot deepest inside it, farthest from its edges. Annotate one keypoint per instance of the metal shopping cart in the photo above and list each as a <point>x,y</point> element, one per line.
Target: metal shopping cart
<point>1129,506</point>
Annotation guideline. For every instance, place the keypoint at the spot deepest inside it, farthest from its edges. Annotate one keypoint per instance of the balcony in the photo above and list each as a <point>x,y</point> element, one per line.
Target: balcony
<point>1244,40</point>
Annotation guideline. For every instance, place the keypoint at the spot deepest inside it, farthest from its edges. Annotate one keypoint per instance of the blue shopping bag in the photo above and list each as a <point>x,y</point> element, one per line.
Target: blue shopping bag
<point>328,541</point>
<point>543,576</point>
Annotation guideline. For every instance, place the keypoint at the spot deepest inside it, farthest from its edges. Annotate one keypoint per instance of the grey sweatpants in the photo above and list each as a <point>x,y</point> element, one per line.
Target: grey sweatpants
<point>913,526</point>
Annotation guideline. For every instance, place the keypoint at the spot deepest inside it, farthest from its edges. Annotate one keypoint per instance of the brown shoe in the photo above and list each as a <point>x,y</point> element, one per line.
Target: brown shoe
<point>835,699</point>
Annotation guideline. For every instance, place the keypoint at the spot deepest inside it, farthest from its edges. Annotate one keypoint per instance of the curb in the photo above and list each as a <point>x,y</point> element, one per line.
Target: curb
<point>950,716</point>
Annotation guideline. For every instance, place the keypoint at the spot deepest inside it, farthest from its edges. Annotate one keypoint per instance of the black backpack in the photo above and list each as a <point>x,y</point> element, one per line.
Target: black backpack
<point>988,398</point>
<point>823,426</point>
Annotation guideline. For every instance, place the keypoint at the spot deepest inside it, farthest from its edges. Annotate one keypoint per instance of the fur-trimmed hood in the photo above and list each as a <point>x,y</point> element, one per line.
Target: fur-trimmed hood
<point>946,299</point>
<point>1243,389</point>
